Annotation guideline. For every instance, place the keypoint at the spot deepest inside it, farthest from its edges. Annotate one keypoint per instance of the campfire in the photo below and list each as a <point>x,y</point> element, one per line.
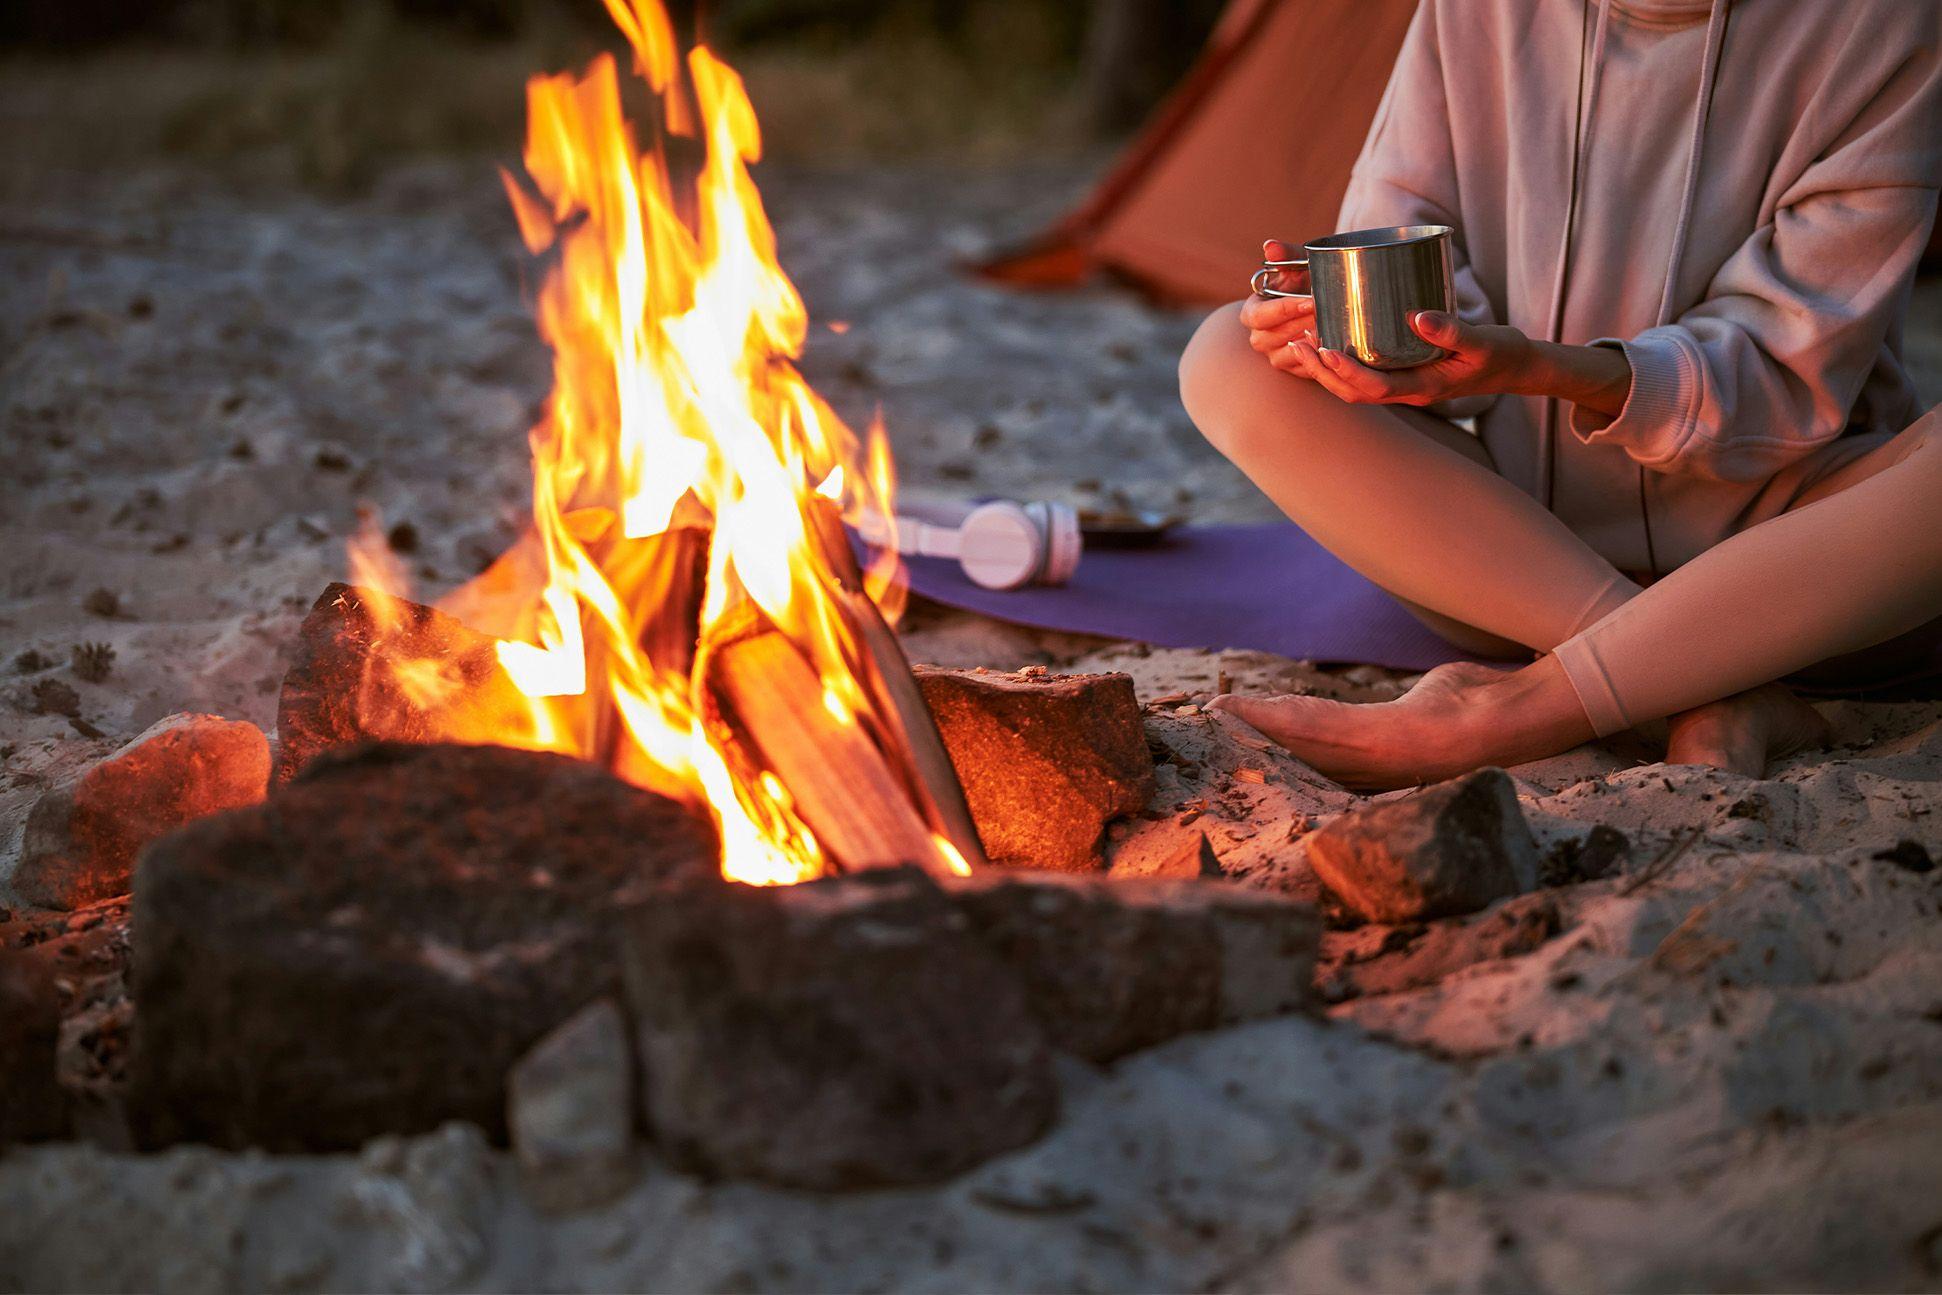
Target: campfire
<point>686,610</point>
<point>651,827</point>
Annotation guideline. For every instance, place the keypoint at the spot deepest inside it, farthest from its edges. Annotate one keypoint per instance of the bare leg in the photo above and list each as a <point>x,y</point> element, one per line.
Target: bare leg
<point>1748,611</point>
<point>1405,498</point>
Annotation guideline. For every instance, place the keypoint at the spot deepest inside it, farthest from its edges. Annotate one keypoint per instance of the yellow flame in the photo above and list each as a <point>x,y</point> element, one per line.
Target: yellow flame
<point>677,412</point>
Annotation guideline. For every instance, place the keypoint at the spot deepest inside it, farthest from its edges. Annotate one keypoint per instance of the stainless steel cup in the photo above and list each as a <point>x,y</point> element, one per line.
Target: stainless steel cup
<point>1366,284</point>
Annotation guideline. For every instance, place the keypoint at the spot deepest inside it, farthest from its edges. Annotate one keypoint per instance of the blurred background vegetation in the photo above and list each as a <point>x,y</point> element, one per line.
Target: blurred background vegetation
<point>324,92</point>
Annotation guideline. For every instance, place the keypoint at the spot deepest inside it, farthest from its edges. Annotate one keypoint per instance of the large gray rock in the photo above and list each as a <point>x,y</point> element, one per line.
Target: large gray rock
<point>844,1033</point>
<point>1046,760</point>
<point>31,1102</point>
<point>1111,966</point>
<point>84,832</point>
<point>1445,850</point>
<point>370,950</point>
<point>571,1110</point>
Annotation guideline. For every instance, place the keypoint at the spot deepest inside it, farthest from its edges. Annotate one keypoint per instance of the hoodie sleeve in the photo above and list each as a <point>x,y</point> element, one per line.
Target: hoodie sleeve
<point>1768,366</point>
<point>1406,173</point>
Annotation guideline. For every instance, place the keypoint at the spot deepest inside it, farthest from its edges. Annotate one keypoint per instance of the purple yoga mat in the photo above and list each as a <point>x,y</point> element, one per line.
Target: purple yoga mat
<point>1268,587</point>
<point>1273,589</point>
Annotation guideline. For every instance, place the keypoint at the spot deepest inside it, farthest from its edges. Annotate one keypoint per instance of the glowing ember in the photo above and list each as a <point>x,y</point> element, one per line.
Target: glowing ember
<point>687,481</point>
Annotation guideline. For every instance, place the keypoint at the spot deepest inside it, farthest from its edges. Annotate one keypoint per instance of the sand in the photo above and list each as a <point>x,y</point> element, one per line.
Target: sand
<point>1723,1071</point>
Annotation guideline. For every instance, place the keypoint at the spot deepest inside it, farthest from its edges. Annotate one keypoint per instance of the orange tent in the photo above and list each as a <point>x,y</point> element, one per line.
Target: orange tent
<point>1256,143</point>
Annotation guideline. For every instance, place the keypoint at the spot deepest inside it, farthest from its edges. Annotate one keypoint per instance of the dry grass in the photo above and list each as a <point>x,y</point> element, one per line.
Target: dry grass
<point>381,90</point>
<point>1000,92</point>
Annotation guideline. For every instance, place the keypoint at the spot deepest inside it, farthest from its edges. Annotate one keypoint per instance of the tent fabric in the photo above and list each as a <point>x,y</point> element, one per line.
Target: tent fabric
<point>1256,143</point>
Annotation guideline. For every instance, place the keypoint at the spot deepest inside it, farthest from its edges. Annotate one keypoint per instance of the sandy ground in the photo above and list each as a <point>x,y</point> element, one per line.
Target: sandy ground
<point>1724,1070</point>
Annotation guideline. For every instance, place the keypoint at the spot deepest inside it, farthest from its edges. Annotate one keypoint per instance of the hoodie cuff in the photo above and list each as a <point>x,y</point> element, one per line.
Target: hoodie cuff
<point>1656,419</point>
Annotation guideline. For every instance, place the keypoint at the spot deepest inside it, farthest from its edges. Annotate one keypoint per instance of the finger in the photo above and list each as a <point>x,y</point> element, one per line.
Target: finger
<point>1311,357</point>
<point>1374,385</point>
<point>1287,285</point>
<point>1272,312</point>
<point>1307,352</point>
<point>1440,328</point>
<point>1266,339</point>
<point>1288,360</point>
<point>1273,249</point>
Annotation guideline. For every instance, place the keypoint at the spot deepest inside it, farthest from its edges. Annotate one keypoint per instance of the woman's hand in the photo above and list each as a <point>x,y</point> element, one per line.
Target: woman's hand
<point>1273,322</point>
<point>1483,360</point>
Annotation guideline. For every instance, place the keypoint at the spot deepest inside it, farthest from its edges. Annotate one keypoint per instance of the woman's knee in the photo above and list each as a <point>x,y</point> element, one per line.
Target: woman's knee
<point>1230,390</point>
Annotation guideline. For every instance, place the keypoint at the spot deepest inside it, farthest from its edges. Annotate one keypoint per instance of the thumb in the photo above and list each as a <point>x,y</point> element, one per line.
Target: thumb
<point>1274,249</point>
<point>1440,328</point>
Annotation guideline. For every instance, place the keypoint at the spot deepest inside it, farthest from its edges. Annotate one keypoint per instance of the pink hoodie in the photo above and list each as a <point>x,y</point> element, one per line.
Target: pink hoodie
<point>1748,238</point>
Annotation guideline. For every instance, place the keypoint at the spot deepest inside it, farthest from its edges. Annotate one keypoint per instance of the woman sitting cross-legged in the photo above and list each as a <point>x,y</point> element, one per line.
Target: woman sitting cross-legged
<point>1727,487</point>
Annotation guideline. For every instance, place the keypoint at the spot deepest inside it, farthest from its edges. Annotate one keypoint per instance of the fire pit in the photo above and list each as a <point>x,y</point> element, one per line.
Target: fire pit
<point>653,826</point>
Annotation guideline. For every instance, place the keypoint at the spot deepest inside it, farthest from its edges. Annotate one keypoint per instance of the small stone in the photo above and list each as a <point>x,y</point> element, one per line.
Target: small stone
<point>844,1033</point>
<point>1448,849</point>
<point>1193,857</point>
<point>1112,966</point>
<point>1574,859</point>
<point>372,948</point>
<point>570,1109</point>
<point>84,832</point>
<point>1389,960</point>
<point>105,603</point>
<point>1912,856</point>
<point>1046,760</point>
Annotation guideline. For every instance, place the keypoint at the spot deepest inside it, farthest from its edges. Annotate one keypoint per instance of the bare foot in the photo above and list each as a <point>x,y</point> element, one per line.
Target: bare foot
<point>1459,717</point>
<point>1742,733</point>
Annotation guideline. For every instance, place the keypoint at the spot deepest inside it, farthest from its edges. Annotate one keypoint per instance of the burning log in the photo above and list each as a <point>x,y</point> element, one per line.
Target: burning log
<point>911,734</point>
<point>876,786</point>
<point>370,950</point>
<point>772,713</point>
<point>877,789</point>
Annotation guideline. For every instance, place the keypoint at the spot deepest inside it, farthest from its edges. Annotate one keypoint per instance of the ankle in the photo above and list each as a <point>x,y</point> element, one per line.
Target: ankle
<point>1525,714</point>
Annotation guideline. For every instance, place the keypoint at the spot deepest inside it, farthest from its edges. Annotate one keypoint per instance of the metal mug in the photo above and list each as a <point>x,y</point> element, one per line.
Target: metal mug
<point>1366,284</point>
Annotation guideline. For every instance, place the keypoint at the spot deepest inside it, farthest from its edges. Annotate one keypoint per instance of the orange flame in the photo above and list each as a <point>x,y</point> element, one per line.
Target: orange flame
<point>681,454</point>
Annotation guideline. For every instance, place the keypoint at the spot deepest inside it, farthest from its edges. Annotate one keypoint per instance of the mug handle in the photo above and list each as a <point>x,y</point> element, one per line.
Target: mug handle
<point>1259,283</point>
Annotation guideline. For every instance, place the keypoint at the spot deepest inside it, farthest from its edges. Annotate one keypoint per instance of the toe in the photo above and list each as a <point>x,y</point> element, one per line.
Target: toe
<point>1257,712</point>
<point>1247,708</point>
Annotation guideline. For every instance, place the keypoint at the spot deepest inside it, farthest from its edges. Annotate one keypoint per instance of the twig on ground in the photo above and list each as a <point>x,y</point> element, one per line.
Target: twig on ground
<point>1652,871</point>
